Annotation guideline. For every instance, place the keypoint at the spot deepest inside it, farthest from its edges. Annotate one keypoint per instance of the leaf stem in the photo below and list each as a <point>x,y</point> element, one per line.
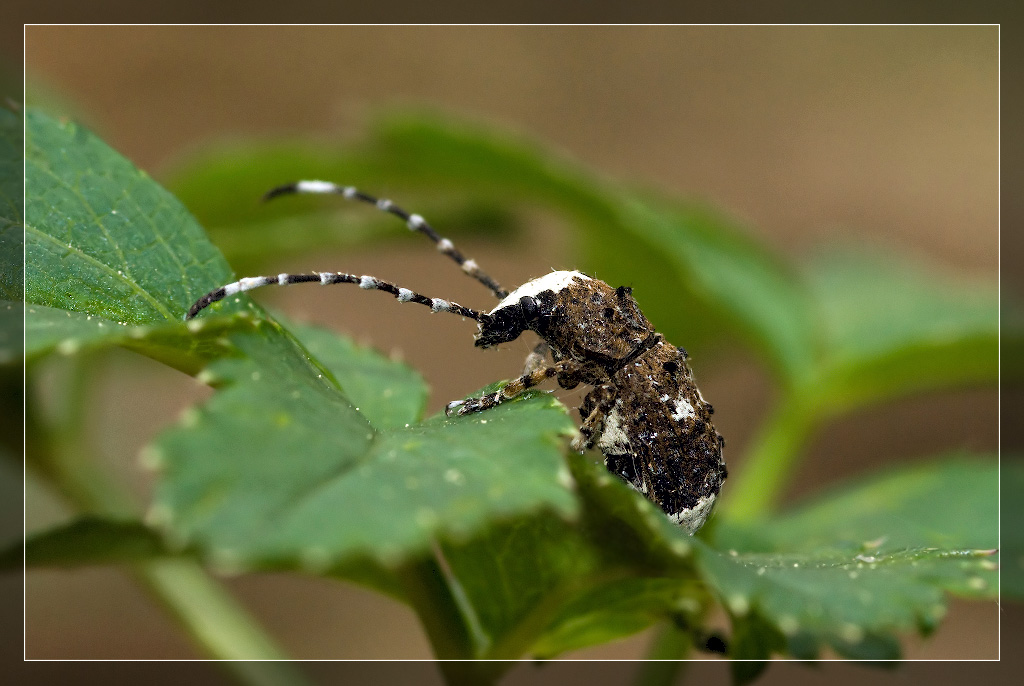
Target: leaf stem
<point>774,454</point>
<point>429,594</point>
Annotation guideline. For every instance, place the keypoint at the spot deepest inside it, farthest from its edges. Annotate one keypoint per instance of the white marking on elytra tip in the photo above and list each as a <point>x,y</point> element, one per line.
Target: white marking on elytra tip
<point>282,279</point>
<point>315,187</point>
<point>367,282</point>
<point>415,222</point>
<point>555,281</point>
<point>385,204</point>
<point>694,517</point>
<point>325,278</point>
<point>439,305</point>
<point>445,245</point>
<point>470,266</point>
<point>404,295</point>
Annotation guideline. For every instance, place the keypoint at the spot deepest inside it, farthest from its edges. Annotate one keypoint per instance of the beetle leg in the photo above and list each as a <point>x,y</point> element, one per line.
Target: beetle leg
<point>601,399</point>
<point>538,359</point>
<point>511,389</point>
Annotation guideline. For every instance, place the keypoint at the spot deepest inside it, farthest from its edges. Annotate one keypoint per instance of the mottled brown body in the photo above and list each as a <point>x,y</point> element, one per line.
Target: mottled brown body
<point>659,438</point>
<point>645,413</point>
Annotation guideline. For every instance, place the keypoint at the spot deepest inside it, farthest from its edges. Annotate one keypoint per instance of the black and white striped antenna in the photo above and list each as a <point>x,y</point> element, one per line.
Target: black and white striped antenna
<point>414,221</point>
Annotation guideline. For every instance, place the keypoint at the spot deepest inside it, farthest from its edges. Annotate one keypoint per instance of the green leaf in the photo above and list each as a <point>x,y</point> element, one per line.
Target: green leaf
<point>184,346</point>
<point>895,327</point>
<point>854,568</point>
<point>112,258</point>
<point>279,469</point>
<point>389,394</point>
<point>102,237</point>
<point>544,586</point>
<point>85,541</point>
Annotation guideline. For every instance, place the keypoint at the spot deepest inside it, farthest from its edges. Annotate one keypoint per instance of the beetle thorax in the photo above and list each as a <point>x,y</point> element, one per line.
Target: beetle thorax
<point>580,317</point>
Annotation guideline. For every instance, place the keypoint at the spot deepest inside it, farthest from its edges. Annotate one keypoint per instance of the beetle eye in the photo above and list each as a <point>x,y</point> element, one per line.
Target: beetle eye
<point>530,308</point>
<point>623,291</point>
<point>608,313</point>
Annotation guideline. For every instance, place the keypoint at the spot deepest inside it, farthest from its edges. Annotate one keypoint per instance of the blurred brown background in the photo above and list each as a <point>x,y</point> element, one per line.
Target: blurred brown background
<point>809,134</point>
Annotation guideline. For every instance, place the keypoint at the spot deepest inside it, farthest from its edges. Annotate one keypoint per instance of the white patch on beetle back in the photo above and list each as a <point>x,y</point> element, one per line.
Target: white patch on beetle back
<point>445,245</point>
<point>367,282</point>
<point>416,222</point>
<point>693,518</point>
<point>683,408</point>
<point>315,187</point>
<point>439,305</point>
<point>555,281</point>
<point>325,278</point>
<point>404,295</point>
<point>614,440</point>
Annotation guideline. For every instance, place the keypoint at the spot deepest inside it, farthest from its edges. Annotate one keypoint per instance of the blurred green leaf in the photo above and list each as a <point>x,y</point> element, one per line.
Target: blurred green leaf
<point>11,227</point>
<point>279,451</point>
<point>85,541</point>
<point>950,503</point>
<point>893,327</point>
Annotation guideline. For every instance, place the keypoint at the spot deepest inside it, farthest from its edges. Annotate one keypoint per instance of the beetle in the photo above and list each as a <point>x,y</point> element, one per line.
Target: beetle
<point>644,411</point>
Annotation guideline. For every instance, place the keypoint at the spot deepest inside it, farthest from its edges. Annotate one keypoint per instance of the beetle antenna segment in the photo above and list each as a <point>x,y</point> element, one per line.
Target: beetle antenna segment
<point>326,278</point>
<point>414,221</point>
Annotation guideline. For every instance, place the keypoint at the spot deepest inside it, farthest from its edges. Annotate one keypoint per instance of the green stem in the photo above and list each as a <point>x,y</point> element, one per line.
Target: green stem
<point>216,622</point>
<point>774,454</point>
<point>429,594</point>
<point>224,630</point>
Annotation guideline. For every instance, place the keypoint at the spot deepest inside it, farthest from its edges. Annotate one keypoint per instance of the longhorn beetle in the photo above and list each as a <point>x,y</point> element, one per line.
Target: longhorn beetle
<point>644,412</point>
